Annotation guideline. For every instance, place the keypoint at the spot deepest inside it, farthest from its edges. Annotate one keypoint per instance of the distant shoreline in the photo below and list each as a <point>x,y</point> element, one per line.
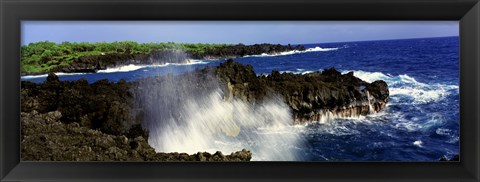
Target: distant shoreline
<point>46,57</point>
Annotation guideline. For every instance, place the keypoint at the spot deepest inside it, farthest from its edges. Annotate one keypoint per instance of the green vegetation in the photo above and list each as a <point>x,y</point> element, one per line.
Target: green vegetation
<point>45,56</point>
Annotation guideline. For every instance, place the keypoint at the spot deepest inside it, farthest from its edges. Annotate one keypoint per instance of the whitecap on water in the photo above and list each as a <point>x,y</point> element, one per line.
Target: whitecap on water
<point>418,143</point>
<point>404,88</point>
<point>127,68</point>
<point>444,131</point>
<point>315,49</point>
<point>28,77</point>
<point>132,67</point>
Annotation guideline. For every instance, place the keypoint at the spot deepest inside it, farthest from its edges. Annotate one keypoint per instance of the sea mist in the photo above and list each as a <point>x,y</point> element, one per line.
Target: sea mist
<point>190,113</point>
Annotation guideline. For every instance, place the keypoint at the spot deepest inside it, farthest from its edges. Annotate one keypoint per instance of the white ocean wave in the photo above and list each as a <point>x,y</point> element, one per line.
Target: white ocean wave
<point>133,67</point>
<point>315,49</point>
<point>407,86</point>
<point>33,76</point>
<point>296,72</point>
<point>28,77</point>
<point>431,120</point>
<point>127,68</point>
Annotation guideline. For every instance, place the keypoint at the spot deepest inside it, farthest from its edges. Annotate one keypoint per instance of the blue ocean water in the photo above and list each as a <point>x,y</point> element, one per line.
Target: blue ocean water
<point>420,123</point>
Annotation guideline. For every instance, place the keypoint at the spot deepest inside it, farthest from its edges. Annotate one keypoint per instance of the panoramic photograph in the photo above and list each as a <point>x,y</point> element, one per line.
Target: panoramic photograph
<point>329,91</point>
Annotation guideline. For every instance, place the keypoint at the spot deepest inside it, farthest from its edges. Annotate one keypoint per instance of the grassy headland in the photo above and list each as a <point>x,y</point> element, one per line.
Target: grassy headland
<point>44,57</point>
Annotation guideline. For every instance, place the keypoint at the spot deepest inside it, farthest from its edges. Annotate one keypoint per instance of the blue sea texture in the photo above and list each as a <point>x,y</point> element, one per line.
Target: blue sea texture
<point>420,122</point>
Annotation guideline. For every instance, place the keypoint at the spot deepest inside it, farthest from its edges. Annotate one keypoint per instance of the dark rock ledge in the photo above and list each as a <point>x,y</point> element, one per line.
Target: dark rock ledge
<point>310,96</point>
<point>45,138</point>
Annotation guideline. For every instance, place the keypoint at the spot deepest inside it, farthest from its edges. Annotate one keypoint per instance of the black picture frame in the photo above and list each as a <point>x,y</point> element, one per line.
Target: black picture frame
<point>466,11</point>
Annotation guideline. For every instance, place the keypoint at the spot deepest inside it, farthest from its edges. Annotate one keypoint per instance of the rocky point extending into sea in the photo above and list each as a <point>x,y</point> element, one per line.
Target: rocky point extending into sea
<point>76,120</point>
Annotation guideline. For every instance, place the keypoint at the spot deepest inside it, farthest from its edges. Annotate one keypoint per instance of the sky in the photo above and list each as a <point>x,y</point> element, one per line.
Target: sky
<point>232,32</point>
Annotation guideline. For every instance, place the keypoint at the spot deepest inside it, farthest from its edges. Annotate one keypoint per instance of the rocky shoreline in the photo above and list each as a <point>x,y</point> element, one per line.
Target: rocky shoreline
<point>45,138</point>
<point>69,115</point>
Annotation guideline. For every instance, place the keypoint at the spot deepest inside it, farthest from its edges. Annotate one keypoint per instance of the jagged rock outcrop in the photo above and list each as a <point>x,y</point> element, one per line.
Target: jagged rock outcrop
<point>313,96</point>
<point>102,105</point>
<point>45,138</point>
<point>319,96</point>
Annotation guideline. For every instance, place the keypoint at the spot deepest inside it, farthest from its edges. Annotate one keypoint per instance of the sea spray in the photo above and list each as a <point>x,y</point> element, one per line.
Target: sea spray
<point>177,55</point>
<point>190,113</point>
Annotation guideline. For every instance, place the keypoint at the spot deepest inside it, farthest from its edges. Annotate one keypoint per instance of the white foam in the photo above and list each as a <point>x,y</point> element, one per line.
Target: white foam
<point>409,126</point>
<point>295,72</point>
<point>132,67</point>
<point>444,132</point>
<point>407,86</point>
<point>315,49</point>
<point>338,125</point>
<point>28,77</point>
<point>333,127</point>
<point>418,143</point>
<point>33,76</point>
<point>420,95</point>
<point>127,68</point>
<point>420,124</point>
<point>369,76</point>
<point>189,62</point>
<point>211,124</point>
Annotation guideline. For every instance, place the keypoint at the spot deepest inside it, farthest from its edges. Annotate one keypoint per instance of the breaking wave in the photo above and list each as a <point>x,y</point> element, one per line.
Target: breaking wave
<point>182,118</point>
<point>126,68</point>
<point>27,77</point>
<point>315,49</point>
<point>406,89</point>
<point>133,67</point>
